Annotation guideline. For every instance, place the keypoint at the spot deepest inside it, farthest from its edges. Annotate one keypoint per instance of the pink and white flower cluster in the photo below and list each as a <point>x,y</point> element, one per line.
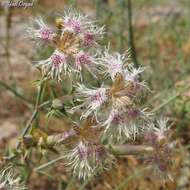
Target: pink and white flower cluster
<point>85,158</point>
<point>120,116</point>
<point>112,104</point>
<point>77,31</point>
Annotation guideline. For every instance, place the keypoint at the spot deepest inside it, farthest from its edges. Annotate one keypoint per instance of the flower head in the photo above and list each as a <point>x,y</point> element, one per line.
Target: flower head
<point>87,153</point>
<point>156,135</point>
<point>87,62</point>
<point>90,36</point>
<point>158,131</point>
<point>54,65</point>
<point>85,158</point>
<point>113,63</point>
<point>122,125</point>
<point>160,162</point>
<point>94,99</point>
<point>78,160</point>
<point>42,31</point>
<point>132,75</point>
<point>73,34</point>
<point>75,22</point>
<point>83,59</point>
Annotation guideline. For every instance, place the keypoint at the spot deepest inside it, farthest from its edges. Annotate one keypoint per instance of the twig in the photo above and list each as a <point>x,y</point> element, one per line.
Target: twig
<point>27,128</point>
<point>49,163</point>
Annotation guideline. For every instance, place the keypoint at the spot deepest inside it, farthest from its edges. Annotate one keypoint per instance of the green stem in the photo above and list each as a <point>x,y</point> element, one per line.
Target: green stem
<point>131,35</point>
<point>122,7</point>
<point>39,95</point>
<point>28,126</point>
<point>34,115</point>
<point>98,8</point>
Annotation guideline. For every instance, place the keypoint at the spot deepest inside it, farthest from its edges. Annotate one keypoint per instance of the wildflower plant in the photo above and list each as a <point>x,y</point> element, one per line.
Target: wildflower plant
<point>101,111</point>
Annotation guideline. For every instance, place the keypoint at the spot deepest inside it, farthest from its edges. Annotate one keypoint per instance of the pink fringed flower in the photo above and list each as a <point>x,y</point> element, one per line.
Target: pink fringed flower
<point>42,31</point>
<point>78,160</point>
<point>122,125</point>
<point>132,75</point>
<point>94,99</point>
<point>85,158</point>
<point>73,26</point>
<point>158,137</point>
<point>90,36</point>
<point>75,22</point>
<point>85,61</point>
<point>113,64</point>
<point>54,65</point>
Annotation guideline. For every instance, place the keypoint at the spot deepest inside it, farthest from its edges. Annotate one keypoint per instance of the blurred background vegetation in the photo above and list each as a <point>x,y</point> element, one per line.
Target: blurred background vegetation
<point>161,32</point>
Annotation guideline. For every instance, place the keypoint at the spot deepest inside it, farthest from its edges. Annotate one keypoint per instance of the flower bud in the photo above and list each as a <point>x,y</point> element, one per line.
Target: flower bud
<point>59,23</point>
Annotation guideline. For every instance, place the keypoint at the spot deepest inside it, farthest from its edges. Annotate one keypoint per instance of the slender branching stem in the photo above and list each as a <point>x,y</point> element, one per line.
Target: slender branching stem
<point>131,35</point>
<point>34,115</point>
<point>28,126</point>
<point>49,163</point>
